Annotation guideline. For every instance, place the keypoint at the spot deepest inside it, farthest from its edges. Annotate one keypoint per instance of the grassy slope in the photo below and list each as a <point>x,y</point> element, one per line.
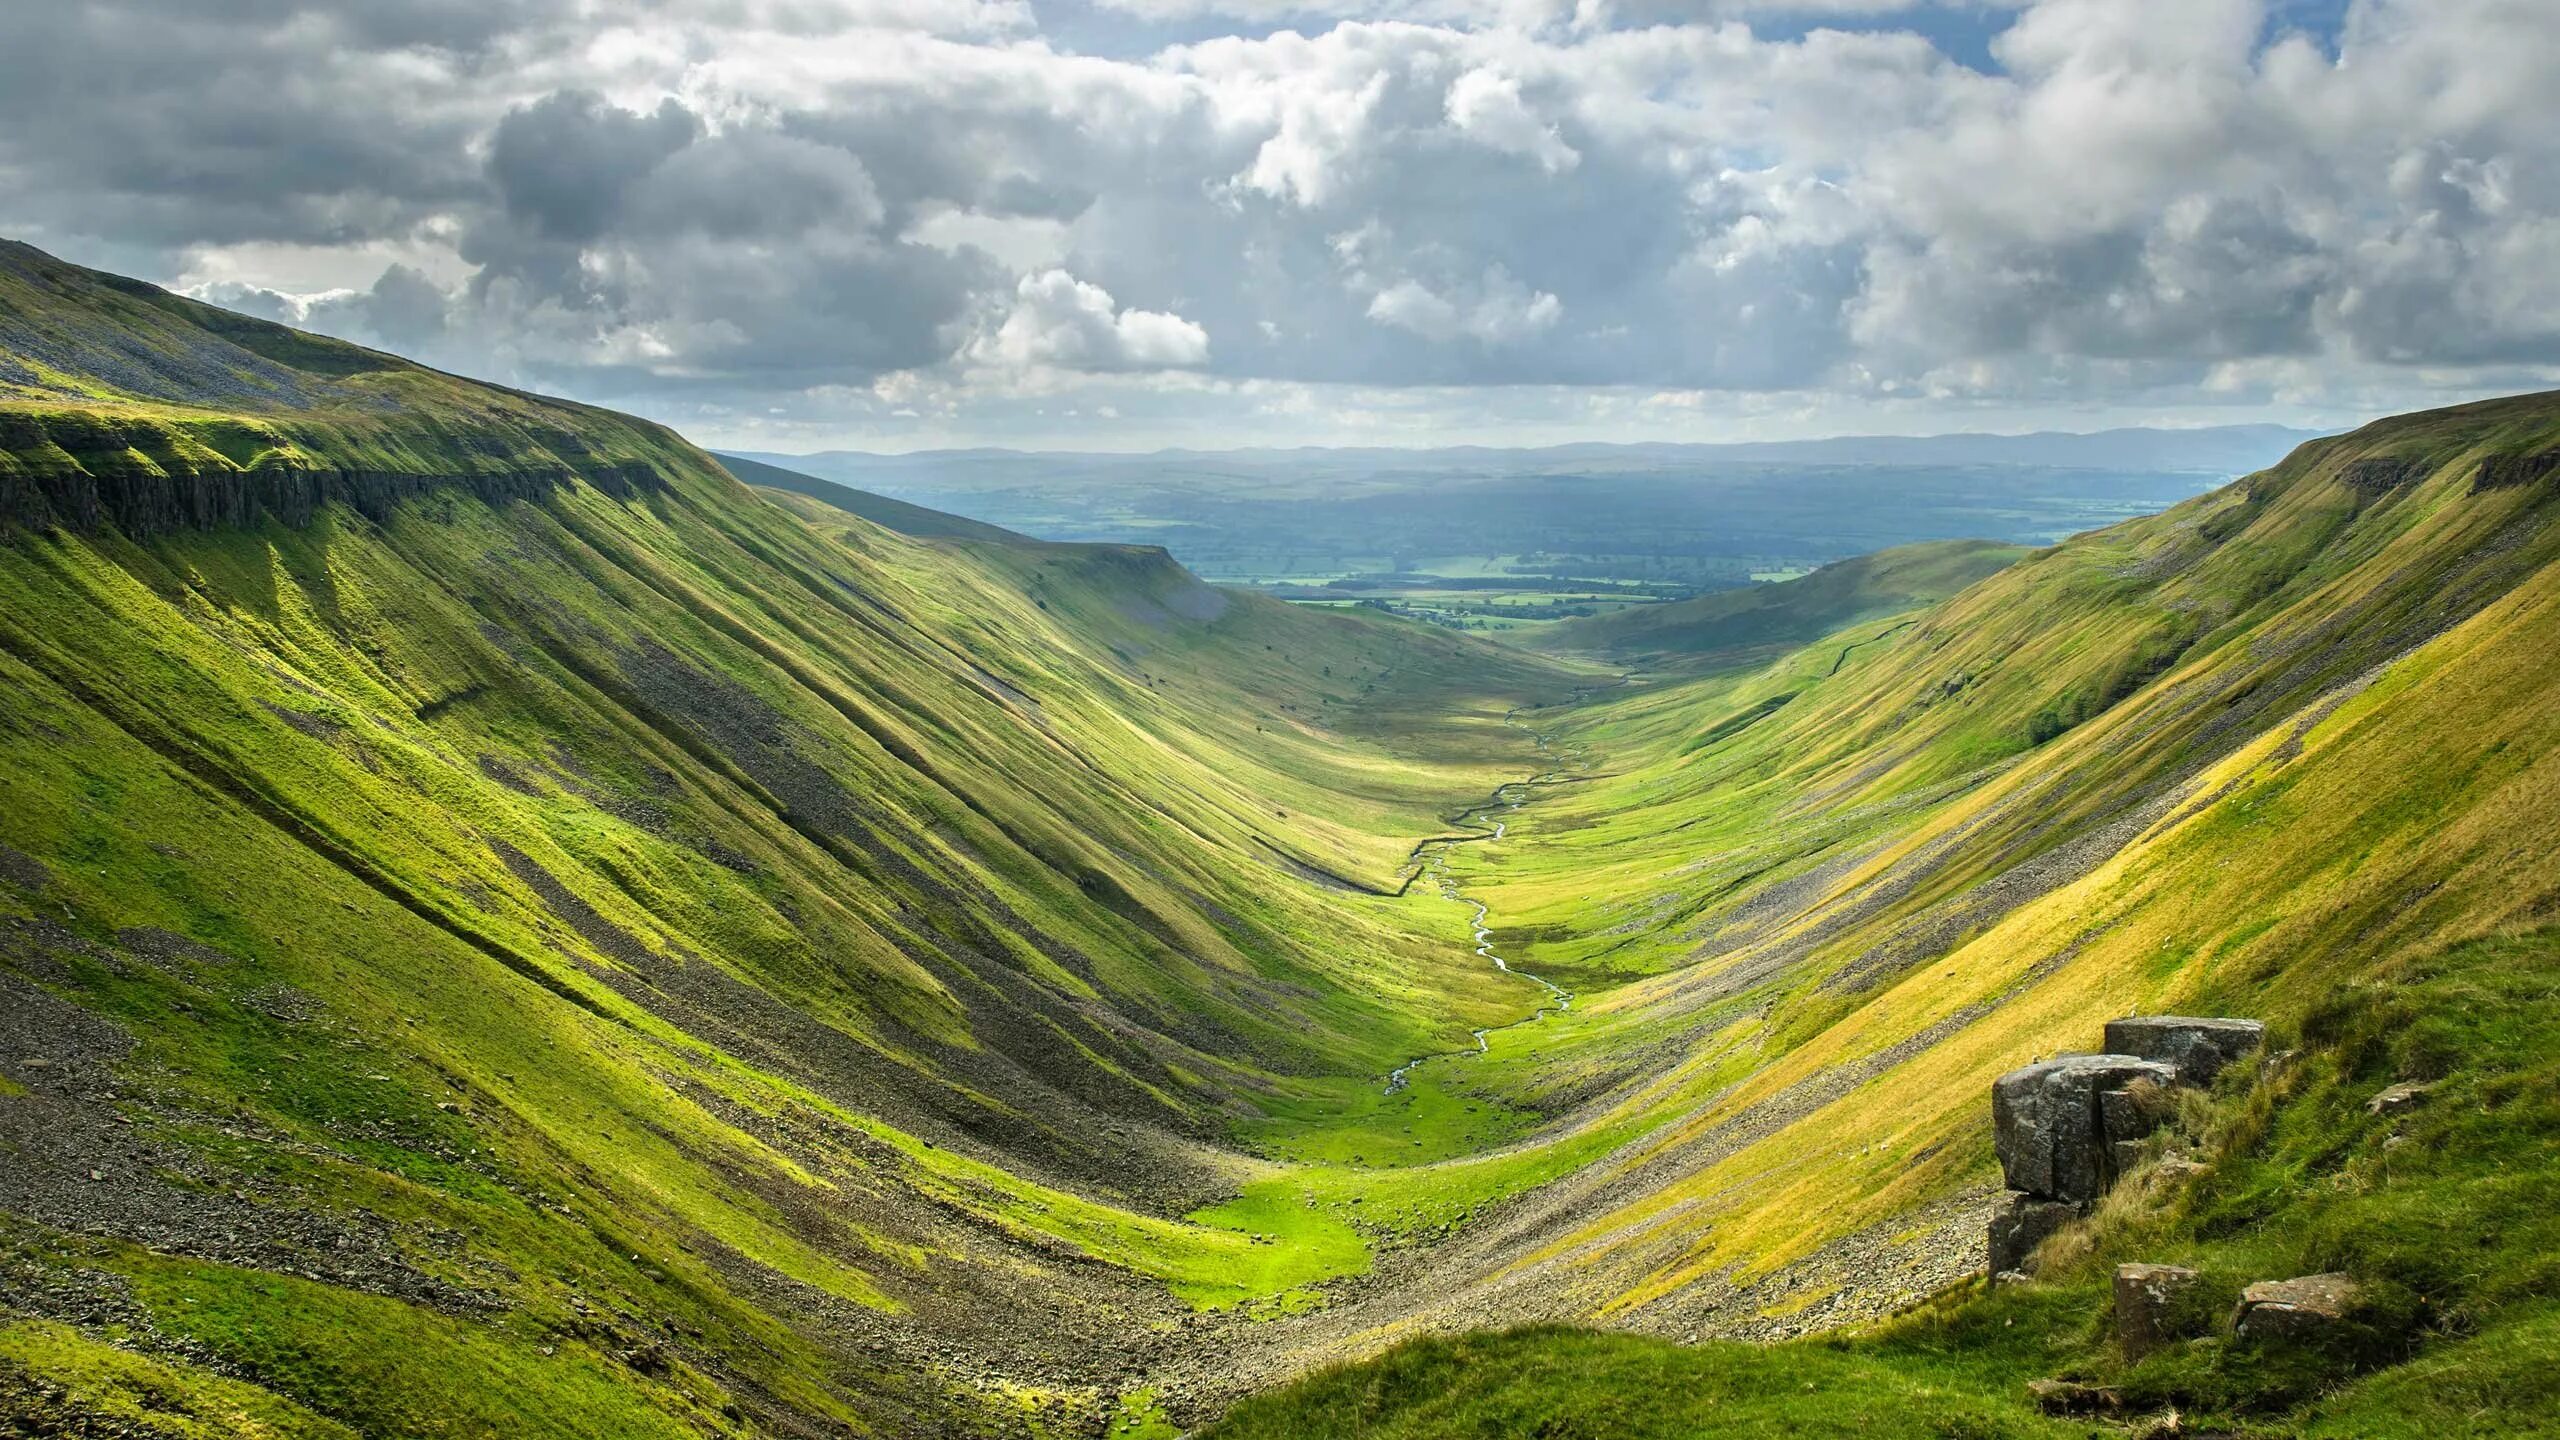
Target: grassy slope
<point>1757,623</point>
<point>2443,1214</point>
<point>699,930</point>
<point>821,934</point>
<point>2289,742</point>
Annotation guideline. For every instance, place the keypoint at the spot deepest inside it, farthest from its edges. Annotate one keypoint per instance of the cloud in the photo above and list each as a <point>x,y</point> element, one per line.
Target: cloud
<point>1498,310</point>
<point>564,163</point>
<point>1485,106</point>
<point>1060,322</point>
<point>712,207</point>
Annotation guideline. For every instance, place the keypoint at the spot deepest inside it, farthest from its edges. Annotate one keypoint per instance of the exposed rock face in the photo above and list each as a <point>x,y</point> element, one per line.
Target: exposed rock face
<point>2201,1047</point>
<point>2154,1305</point>
<point>83,471</point>
<point>2507,472</point>
<point>2066,1129</point>
<point>2072,1397</point>
<point>2375,474</point>
<point>2305,1310</point>
<point>2020,1223</point>
<point>140,502</point>
<point>2051,1125</point>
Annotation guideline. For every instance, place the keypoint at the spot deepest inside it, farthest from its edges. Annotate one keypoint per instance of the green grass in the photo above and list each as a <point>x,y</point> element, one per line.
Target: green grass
<point>1578,1383</point>
<point>715,910</point>
<point>548,808</point>
<point>417,1373</point>
<point>151,1395</point>
<point>1782,609</point>
<point>2443,1215</point>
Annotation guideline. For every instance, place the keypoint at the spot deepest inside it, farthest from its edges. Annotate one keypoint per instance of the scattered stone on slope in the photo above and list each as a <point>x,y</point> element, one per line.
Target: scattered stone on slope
<point>2307,1309</point>
<point>2154,1305</point>
<point>2072,1397</point>
<point>2201,1047</point>
<point>2397,1099</point>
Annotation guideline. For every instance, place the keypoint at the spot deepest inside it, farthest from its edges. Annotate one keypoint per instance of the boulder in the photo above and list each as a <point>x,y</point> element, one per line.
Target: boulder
<point>2048,1128</point>
<point>2020,1223</point>
<point>2305,1310</point>
<point>2199,1046</point>
<point>2154,1305</point>
<point>2125,1118</point>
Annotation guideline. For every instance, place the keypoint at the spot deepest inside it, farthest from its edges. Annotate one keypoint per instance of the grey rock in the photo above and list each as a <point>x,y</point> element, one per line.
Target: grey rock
<point>2397,1099</point>
<point>2306,1309</point>
<point>2048,1128</point>
<point>2177,1170</point>
<point>2153,1305</point>
<point>2200,1046</point>
<point>2021,1222</point>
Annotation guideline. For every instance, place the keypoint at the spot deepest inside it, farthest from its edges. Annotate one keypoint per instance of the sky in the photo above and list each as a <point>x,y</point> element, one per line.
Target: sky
<point>1121,224</point>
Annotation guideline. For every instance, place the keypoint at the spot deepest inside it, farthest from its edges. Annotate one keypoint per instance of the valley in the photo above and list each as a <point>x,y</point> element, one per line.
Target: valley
<point>508,927</point>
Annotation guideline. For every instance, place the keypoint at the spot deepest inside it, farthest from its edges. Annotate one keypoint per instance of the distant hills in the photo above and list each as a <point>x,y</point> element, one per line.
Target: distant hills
<point>2218,449</point>
<point>1677,517</point>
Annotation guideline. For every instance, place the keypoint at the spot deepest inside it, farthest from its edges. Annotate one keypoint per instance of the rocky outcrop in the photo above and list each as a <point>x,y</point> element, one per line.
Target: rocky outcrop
<point>2155,1304</point>
<point>2397,1100</point>
<point>149,501</point>
<point>2508,472</point>
<point>2306,1310</point>
<point>2200,1047</point>
<point>2376,474</point>
<point>2055,1125</point>
<point>2065,1129</point>
<point>2019,1223</point>
<point>2073,1397</point>
<point>88,470</point>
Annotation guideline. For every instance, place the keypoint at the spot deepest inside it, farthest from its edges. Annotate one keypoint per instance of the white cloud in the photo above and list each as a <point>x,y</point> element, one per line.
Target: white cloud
<point>1498,310</point>
<point>1060,322</point>
<point>1485,106</point>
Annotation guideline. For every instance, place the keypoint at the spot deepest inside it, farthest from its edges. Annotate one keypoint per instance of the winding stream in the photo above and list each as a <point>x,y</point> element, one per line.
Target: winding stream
<point>1430,858</point>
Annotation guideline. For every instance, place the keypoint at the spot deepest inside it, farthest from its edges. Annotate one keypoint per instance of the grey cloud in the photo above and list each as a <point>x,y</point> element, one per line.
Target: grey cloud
<point>405,309</point>
<point>563,164</point>
<point>1533,193</point>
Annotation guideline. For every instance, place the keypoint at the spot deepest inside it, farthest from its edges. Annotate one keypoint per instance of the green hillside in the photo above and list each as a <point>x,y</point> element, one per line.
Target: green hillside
<point>606,953</point>
<point>507,930</point>
<point>2287,751</point>
<point>1725,628</point>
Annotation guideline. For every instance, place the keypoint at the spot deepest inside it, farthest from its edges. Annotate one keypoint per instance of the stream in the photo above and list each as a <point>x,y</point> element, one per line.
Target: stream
<point>1431,857</point>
